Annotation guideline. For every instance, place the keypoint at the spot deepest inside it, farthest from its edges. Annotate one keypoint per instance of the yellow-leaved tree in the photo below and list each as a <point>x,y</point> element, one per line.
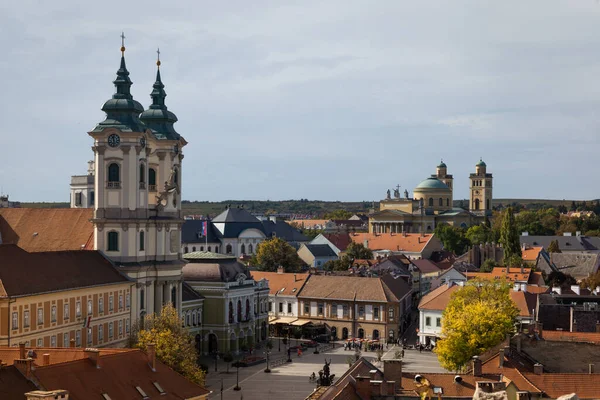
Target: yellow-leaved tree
<point>174,344</point>
<point>477,318</point>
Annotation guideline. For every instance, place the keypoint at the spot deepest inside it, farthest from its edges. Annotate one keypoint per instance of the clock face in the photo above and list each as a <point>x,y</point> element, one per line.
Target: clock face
<point>143,142</point>
<point>114,140</point>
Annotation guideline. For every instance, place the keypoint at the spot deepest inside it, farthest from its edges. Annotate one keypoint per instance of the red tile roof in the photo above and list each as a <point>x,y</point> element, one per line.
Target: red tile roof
<point>531,254</point>
<point>437,299</point>
<point>563,336</point>
<point>510,370</point>
<point>339,240</point>
<point>58,355</point>
<point>47,229</point>
<point>465,389</point>
<point>13,384</point>
<point>587,386</point>
<point>118,377</point>
<point>410,242</point>
<point>284,284</point>
<point>524,301</point>
<point>384,289</point>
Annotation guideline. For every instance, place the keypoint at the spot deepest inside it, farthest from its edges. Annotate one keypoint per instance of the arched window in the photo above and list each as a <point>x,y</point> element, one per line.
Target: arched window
<point>375,334</point>
<point>239,310</point>
<point>193,248</point>
<point>243,248</point>
<point>216,249</point>
<point>228,249</point>
<point>142,176</point>
<point>448,202</point>
<point>113,241</point>
<point>477,204</point>
<point>152,179</point>
<point>209,248</point>
<point>194,319</point>
<point>247,308</point>
<point>114,176</point>
<point>250,249</point>
<point>187,319</point>
<point>441,202</point>
<point>185,249</point>
<point>431,202</point>
<point>142,299</point>
<point>231,312</point>
<point>142,241</point>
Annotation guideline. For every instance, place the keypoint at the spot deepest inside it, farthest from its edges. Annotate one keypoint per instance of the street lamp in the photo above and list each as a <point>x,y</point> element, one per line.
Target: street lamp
<point>237,376</point>
<point>216,358</point>
<point>289,352</point>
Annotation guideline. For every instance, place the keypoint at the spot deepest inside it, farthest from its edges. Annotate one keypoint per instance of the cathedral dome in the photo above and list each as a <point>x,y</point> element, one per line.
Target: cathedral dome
<point>442,165</point>
<point>432,183</point>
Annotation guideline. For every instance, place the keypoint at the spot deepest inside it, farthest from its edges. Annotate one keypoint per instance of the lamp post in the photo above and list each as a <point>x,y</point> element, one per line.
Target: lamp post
<point>289,346</point>
<point>237,376</point>
<point>216,358</point>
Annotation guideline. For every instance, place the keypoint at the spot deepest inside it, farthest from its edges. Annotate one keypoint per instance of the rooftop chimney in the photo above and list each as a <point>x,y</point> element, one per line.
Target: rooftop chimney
<point>392,371</point>
<point>151,352</point>
<point>501,358</point>
<point>476,366</point>
<point>280,270</point>
<point>22,350</point>
<point>538,369</point>
<point>46,358</point>
<point>94,356</point>
<point>47,395</point>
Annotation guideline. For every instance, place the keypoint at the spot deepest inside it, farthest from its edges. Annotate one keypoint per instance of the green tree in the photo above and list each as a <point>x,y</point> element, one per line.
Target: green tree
<point>357,251</point>
<point>557,278</point>
<point>341,264</point>
<point>553,247</point>
<point>477,318</point>
<point>453,238</point>
<point>276,252</point>
<point>477,234</point>
<point>174,343</point>
<point>488,265</point>
<point>338,214</point>
<point>591,282</point>
<point>509,236</point>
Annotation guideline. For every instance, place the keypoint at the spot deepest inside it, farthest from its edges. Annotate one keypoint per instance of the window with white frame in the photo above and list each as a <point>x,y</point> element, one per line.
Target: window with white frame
<point>100,332</point>
<point>40,342</point>
<point>53,341</point>
<point>90,307</point>
<point>127,300</point>
<point>89,335</point>
<point>110,330</point>
<point>15,320</point>
<point>187,319</point>
<point>127,325</point>
<point>66,340</point>
<point>110,303</point>
<point>78,308</point>
<point>120,327</point>
<point>26,319</point>
<point>120,302</point>
<point>194,318</point>
<point>101,305</point>
<point>66,311</point>
<point>40,316</point>
<point>78,338</point>
<point>53,314</point>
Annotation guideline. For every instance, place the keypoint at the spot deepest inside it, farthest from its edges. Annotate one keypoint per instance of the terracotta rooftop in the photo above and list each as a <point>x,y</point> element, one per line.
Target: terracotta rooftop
<point>339,240</point>
<point>47,229</point>
<point>23,273</point>
<point>118,377</point>
<point>283,284</point>
<point>465,389</point>
<point>555,385</point>
<point>58,355</point>
<point>531,253</point>
<point>437,299</point>
<point>427,266</point>
<point>410,242</point>
<point>510,273</point>
<point>13,385</point>
<point>384,289</point>
<point>524,301</point>
<point>564,336</point>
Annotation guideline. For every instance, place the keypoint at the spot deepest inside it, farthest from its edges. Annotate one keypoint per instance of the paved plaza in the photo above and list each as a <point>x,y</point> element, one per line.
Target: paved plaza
<point>291,380</point>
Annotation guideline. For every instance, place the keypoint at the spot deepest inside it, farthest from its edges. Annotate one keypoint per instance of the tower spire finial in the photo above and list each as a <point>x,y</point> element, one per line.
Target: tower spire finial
<point>158,57</point>
<point>123,43</point>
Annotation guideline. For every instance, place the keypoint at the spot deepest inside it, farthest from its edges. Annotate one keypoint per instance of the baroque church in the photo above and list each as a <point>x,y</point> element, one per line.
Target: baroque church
<point>134,188</point>
<point>432,204</point>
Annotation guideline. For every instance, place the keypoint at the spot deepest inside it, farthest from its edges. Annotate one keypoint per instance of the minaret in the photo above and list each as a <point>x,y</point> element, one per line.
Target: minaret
<point>480,200</point>
<point>137,218</point>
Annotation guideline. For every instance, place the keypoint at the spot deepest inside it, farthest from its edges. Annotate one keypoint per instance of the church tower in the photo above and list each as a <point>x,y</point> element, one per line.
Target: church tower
<point>137,212</point>
<point>441,173</point>
<point>480,199</point>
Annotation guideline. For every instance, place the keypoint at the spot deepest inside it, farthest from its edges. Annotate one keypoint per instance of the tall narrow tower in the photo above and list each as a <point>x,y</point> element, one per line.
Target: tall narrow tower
<point>137,213</point>
<point>480,199</point>
<point>441,173</point>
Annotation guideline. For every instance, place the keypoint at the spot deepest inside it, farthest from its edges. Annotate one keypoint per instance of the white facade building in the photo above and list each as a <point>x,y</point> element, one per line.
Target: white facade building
<point>82,188</point>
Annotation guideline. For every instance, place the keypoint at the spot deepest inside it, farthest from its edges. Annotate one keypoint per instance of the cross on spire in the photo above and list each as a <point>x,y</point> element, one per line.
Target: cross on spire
<point>122,42</point>
<point>158,57</point>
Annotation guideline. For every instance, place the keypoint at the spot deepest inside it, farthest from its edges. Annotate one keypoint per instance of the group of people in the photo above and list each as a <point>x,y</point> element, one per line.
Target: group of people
<point>368,346</point>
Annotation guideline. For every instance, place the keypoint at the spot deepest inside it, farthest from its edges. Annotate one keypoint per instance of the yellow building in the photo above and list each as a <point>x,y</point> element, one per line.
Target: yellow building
<point>431,204</point>
<point>56,299</point>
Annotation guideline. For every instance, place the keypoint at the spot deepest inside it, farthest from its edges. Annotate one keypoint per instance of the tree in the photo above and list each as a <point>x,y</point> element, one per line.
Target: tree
<point>338,214</point>
<point>591,282</point>
<point>341,264</point>
<point>488,265</point>
<point>514,261</point>
<point>557,278</point>
<point>477,234</point>
<point>452,238</point>
<point>553,247</point>
<point>174,344</point>
<point>357,251</point>
<point>509,236</point>
<point>477,318</point>
<point>276,252</point>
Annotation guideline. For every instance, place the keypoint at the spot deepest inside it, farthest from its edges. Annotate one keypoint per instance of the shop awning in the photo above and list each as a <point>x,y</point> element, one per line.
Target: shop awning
<point>272,319</point>
<point>300,322</point>
<point>285,320</point>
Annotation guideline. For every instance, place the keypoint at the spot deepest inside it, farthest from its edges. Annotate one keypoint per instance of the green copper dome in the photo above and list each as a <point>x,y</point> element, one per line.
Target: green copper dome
<point>442,164</point>
<point>122,110</point>
<point>157,118</point>
<point>480,163</point>
<point>432,183</point>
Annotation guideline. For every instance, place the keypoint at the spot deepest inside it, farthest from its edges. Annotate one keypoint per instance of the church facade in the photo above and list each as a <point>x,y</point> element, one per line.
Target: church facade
<point>136,194</point>
<point>432,204</point>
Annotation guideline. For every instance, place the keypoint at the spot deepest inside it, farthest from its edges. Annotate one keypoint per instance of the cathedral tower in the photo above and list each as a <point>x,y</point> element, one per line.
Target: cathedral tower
<point>137,212</point>
<point>480,199</point>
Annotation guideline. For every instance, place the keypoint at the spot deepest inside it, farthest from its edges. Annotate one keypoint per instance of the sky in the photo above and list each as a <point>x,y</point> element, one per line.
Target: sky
<point>330,100</point>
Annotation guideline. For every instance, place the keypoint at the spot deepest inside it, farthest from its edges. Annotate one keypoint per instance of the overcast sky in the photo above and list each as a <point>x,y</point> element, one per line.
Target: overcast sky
<point>333,100</point>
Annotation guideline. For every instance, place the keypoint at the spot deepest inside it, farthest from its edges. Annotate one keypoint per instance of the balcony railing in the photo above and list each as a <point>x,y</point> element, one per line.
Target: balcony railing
<point>142,185</point>
<point>152,188</point>
<point>113,185</point>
